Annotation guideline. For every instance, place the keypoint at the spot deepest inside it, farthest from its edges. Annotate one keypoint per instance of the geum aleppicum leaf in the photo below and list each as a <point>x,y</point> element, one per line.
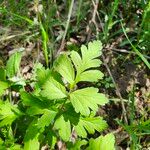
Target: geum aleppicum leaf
<point>53,89</point>
<point>106,142</point>
<point>90,124</point>
<point>90,54</point>
<point>12,66</point>
<point>64,128</point>
<point>85,99</point>
<point>65,120</point>
<point>91,76</point>
<point>64,66</point>
<point>89,60</point>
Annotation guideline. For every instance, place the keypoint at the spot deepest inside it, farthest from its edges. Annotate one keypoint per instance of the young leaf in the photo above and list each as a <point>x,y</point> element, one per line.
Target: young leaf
<point>89,125</point>
<point>13,63</point>
<point>75,57</point>
<point>64,66</point>
<point>106,142</point>
<point>53,89</point>
<point>63,128</point>
<point>87,61</point>
<point>88,55</point>
<point>84,99</point>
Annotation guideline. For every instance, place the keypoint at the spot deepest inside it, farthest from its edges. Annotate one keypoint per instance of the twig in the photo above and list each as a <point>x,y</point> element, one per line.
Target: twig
<point>13,36</point>
<point>117,90</point>
<point>66,29</point>
<point>125,51</point>
<point>117,131</point>
<point>95,4</point>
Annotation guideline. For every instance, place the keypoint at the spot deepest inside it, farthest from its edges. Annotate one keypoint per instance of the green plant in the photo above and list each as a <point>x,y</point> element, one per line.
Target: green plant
<point>138,128</point>
<point>57,109</point>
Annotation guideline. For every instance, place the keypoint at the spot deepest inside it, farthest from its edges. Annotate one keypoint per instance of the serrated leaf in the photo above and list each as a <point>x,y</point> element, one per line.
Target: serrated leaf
<point>75,57</point>
<point>53,89</point>
<point>13,64</point>
<point>89,125</point>
<point>90,54</point>
<point>91,76</point>
<point>3,87</point>
<point>88,60</point>
<point>85,99</point>
<point>106,142</point>
<point>63,127</point>
<point>8,113</point>
<point>64,66</point>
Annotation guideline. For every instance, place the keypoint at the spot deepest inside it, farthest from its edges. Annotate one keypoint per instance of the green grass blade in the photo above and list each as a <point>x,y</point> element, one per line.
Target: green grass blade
<point>135,49</point>
<point>44,42</point>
